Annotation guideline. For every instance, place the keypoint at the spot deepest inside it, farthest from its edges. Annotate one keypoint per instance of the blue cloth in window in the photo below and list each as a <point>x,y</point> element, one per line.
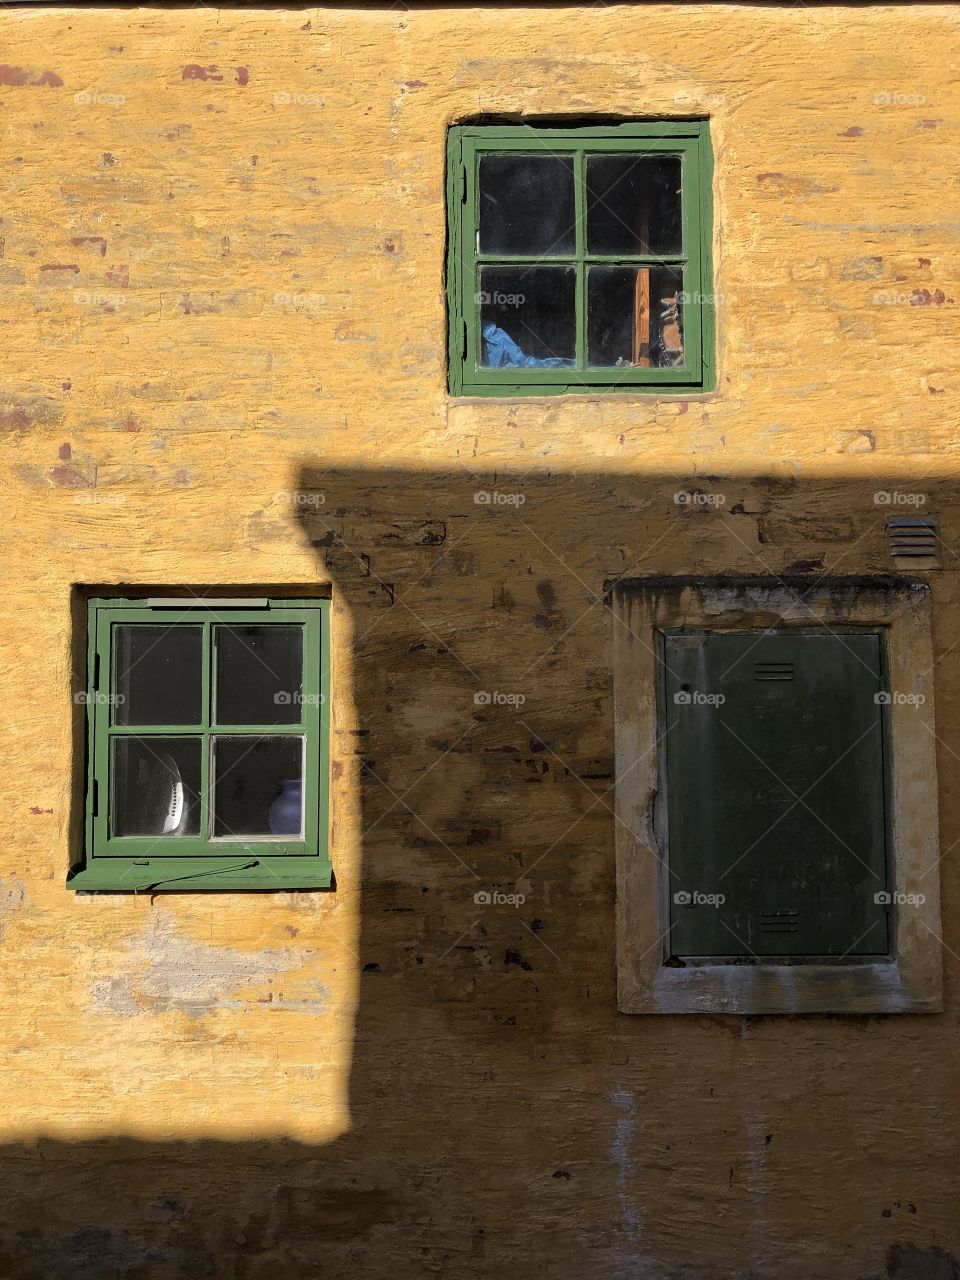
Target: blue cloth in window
<point>501,352</point>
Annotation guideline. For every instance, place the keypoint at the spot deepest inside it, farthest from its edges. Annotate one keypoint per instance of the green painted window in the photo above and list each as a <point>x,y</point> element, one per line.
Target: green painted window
<point>776,749</point>
<point>579,258</point>
<point>207,745</point>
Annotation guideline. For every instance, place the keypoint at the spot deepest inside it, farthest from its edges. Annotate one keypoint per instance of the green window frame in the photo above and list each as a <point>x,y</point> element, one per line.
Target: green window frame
<point>467,144</point>
<point>204,860</point>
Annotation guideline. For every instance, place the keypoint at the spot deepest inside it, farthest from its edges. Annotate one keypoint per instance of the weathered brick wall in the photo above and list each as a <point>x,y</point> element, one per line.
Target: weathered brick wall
<point>222,252</point>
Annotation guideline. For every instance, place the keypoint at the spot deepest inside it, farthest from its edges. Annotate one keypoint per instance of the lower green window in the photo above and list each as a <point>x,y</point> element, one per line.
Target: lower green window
<point>207,745</point>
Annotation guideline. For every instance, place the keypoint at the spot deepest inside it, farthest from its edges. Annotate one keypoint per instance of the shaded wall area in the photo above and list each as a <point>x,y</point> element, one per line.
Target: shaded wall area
<point>503,1117</point>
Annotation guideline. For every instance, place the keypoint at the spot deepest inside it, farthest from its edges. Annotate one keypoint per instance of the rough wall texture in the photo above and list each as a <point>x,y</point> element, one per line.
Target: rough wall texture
<point>221,254</point>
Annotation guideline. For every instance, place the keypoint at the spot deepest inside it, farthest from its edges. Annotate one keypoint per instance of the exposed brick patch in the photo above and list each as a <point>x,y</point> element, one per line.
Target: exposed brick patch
<point>194,71</point>
<point>926,298</point>
<point>869,267</point>
<point>71,477</point>
<point>22,77</point>
<point>98,242</point>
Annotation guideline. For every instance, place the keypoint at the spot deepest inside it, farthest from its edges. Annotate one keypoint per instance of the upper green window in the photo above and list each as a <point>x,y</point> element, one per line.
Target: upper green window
<point>207,745</point>
<point>579,259</point>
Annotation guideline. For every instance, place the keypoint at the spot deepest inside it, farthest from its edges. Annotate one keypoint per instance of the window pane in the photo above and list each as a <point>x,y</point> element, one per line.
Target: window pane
<point>633,204</point>
<point>157,674</point>
<point>634,317</point>
<point>259,674</point>
<point>259,788</point>
<point>527,204</point>
<point>528,317</point>
<point>156,787</point>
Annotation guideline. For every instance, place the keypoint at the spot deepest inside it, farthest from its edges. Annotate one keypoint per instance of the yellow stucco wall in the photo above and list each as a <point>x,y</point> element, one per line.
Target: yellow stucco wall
<point>221,259</point>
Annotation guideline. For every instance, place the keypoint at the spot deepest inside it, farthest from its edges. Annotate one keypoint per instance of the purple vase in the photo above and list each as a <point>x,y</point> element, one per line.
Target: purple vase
<point>283,816</point>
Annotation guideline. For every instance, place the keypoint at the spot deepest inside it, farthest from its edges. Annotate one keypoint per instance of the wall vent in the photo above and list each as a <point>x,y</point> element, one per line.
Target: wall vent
<point>786,921</point>
<point>772,670</point>
<point>913,542</point>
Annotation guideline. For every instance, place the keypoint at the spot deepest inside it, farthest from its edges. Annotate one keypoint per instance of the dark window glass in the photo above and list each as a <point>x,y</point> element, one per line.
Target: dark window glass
<point>157,674</point>
<point>528,316</point>
<point>259,674</point>
<point>527,205</point>
<point>633,205</point>
<point>634,317</point>
<point>156,786</point>
<point>258,787</point>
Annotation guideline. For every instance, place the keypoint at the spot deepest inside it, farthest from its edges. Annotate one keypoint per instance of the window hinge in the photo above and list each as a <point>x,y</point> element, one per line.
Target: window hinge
<point>96,672</point>
<point>96,799</point>
<point>463,344</point>
<point>463,184</point>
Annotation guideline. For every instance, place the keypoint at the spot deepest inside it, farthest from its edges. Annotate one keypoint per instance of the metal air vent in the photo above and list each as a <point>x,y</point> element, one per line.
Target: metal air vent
<point>914,541</point>
<point>772,670</point>
<point>786,921</point>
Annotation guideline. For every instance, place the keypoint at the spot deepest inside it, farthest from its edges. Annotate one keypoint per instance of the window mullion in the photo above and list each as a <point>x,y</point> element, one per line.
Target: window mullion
<point>469,267</point>
<point>100,743</point>
<point>207,680</point>
<point>580,212</point>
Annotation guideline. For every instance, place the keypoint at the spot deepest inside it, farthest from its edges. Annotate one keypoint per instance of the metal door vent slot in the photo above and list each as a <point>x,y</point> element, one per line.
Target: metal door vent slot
<point>911,538</point>
<point>772,670</point>
<point>779,921</point>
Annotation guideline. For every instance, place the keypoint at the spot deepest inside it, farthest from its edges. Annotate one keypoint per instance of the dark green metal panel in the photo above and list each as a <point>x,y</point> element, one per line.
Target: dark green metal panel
<point>775,747</point>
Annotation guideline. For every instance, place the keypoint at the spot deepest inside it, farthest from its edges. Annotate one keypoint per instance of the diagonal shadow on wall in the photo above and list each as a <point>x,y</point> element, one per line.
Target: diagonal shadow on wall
<point>505,1119</point>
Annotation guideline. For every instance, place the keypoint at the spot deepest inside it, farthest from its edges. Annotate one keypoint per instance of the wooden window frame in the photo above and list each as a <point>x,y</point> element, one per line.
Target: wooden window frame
<point>205,862</point>
<point>910,979</point>
<point>688,138</point>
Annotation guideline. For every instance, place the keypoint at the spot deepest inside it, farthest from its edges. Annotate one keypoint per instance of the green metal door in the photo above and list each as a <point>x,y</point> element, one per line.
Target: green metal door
<point>776,794</point>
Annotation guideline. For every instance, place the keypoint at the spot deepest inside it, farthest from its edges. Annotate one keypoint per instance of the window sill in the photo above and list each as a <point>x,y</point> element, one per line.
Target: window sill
<point>524,391</point>
<point>190,875</point>
<point>754,989</point>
